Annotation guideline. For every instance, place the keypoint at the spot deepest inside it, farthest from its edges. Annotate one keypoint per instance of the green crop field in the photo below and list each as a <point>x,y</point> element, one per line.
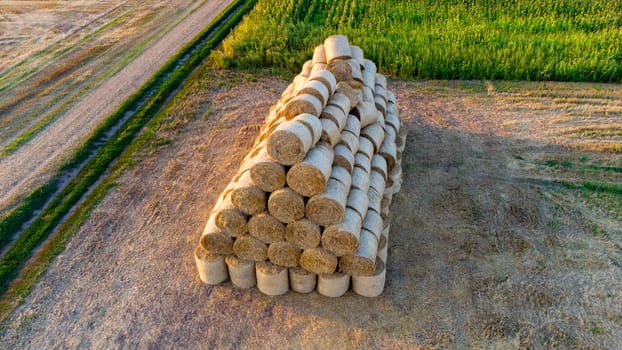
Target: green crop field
<point>568,40</point>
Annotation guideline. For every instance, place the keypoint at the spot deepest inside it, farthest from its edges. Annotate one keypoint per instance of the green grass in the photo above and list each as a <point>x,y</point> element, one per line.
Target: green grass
<point>566,40</point>
<point>165,82</point>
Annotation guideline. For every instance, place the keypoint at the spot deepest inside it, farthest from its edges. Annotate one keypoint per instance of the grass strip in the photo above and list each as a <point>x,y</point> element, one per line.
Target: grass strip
<point>166,81</point>
<point>595,186</point>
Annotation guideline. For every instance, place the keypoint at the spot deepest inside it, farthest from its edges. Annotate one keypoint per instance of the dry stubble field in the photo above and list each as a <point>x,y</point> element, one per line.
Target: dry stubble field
<point>487,247</point>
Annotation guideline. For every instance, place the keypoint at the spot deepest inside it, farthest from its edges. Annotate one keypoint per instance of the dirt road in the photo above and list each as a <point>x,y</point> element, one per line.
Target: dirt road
<point>34,162</point>
<point>485,250</point>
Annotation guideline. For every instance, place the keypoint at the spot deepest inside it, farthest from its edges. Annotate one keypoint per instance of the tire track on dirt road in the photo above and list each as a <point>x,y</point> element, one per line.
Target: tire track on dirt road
<point>36,161</point>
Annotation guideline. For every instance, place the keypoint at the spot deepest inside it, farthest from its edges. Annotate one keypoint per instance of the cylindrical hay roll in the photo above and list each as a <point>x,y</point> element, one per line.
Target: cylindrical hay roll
<point>390,97</point>
<point>353,125</point>
<point>373,223</point>
<point>301,280</point>
<point>317,67</point>
<point>284,254</point>
<point>360,179</point>
<point>383,248</point>
<point>328,208</point>
<point>371,286</point>
<point>247,197</point>
<point>330,131</point>
<point>302,103</point>
<point>213,240</point>
<point>366,112</point>
<point>379,164</point>
<point>366,147</point>
<point>379,91</point>
<point>363,263</point>
<point>212,268</point>
<point>357,77</point>
<point>286,205</point>
<point>387,197</point>
<point>299,81</point>
<point>312,123</point>
<point>342,175</point>
<point>303,233</point>
<point>381,80</point>
<point>341,100</point>
<point>271,279</point>
<point>358,201</point>
<point>333,285</point>
<point>357,55</point>
<point>288,93</point>
<point>266,173</point>
<point>337,47</point>
<point>381,104</point>
<point>241,272</point>
<point>375,134</point>
<point>335,114</point>
<point>369,73</point>
<point>306,68</point>
<point>228,218</point>
<point>317,89</point>
<point>389,151</point>
<point>368,94</point>
<point>380,119</point>
<point>350,140</point>
<point>266,228</point>
<point>354,95</point>
<point>319,55</point>
<point>342,70</point>
<point>343,238</point>
<point>362,161</point>
<point>327,78</point>
<point>376,181</point>
<point>318,260</point>
<point>394,121</point>
<point>374,194</point>
<point>310,176</point>
<point>248,247</point>
<point>343,157</point>
<point>290,142</point>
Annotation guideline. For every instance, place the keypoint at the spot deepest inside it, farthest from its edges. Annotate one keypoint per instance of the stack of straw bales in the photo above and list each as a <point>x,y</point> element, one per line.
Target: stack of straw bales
<point>309,207</point>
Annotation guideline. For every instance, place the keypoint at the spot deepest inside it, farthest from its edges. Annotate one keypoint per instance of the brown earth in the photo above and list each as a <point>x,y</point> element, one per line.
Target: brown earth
<point>487,248</point>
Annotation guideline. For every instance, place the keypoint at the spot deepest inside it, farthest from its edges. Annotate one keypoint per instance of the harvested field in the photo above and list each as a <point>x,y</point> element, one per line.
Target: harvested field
<point>496,240</point>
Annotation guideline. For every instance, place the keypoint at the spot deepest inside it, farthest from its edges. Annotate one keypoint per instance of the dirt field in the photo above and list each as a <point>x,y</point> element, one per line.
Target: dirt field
<point>487,249</point>
<point>34,162</point>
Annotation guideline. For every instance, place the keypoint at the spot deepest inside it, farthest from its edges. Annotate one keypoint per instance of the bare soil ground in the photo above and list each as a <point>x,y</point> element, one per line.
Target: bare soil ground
<point>486,249</point>
<point>63,81</point>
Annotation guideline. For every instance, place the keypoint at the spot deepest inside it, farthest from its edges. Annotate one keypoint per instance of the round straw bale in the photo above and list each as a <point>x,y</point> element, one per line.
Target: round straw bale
<point>330,131</point>
<point>361,160</point>
<point>377,182</point>
<point>250,248</point>
<point>349,140</point>
<point>214,240</point>
<point>342,175</point>
<point>366,112</point>
<point>363,263</point>
<point>379,164</point>
<point>317,89</point>
<point>343,238</point>
<point>353,125</point>
<point>375,134</point>
<point>284,254</point>
<point>393,120</point>
<point>354,95</point>
<point>358,201</point>
<point>341,69</point>
<point>306,68</point>
<point>381,92</point>
<point>357,76</point>
<point>241,272</point>
<point>301,280</point>
<point>211,267</point>
<point>383,248</point>
<point>343,157</point>
<point>266,228</point>
<point>309,177</point>
<point>266,173</point>
<point>381,80</point>
<point>368,94</point>
<point>390,97</point>
<point>360,179</point>
<point>335,114</point>
<point>318,260</point>
<point>326,77</point>
<point>388,150</point>
<point>247,197</point>
<point>369,73</point>
<point>302,103</point>
<point>303,233</point>
<point>312,123</point>
<point>328,208</point>
<point>373,223</point>
<point>228,218</point>
<point>387,197</point>
<point>366,148</point>
<point>286,205</point>
<point>299,81</point>
<point>333,285</point>
<point>371,286</point>
<point>380,104</point>
<point>337,47</point>
<point>319,55</point>
<point>271,279</point>
<point>374,193</point>
<point>317,67</point>
<point>380,119</point>
<point>357,55</point>
<point>290,142</point>
<point>341,100</point>
<point>288,93</point>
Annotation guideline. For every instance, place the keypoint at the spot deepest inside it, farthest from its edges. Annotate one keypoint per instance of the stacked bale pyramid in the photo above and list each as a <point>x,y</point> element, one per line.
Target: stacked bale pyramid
<point>309,207</point>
